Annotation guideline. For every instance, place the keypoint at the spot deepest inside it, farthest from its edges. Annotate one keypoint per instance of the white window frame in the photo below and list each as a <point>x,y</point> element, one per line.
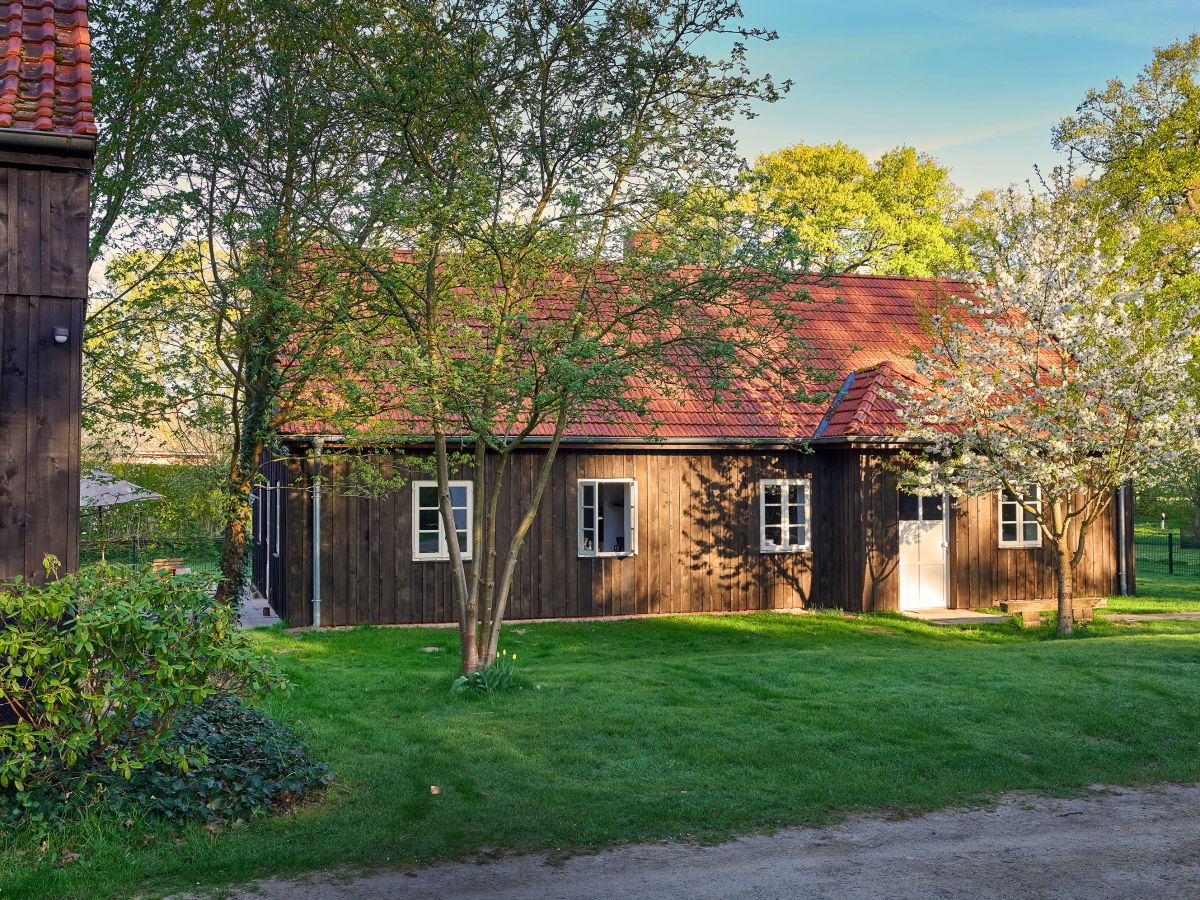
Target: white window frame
<point>631,512</point>
<point>1021,521</point>
<point>443,551</point>
<point>786,486</point>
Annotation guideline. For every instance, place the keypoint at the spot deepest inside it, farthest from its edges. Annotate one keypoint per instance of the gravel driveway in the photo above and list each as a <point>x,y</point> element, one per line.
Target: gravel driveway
<point>1142,843</point>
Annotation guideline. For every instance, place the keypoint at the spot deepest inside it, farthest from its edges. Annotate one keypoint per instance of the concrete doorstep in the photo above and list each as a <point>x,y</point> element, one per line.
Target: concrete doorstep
<point>941,616</point>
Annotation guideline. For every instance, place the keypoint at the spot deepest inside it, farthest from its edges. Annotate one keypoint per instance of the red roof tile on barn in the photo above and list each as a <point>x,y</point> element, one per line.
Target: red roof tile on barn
<point>46,74</point>
<point>864,409</point>
<point>862,324</point>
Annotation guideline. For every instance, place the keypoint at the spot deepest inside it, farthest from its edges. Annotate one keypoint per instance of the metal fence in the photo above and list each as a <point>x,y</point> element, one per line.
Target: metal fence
<point>1167,553</point>
<point>200,554</point>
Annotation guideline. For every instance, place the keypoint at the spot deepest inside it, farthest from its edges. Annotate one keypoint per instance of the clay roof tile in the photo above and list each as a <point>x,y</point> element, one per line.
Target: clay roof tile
<point>45,73</point>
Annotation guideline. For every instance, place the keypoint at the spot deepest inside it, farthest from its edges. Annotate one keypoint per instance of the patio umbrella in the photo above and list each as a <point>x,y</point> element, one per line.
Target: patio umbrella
<point>99,490</point>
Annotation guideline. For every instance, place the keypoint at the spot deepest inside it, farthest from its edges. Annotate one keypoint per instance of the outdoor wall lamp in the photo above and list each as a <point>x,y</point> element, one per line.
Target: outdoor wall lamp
<point>61,334</point>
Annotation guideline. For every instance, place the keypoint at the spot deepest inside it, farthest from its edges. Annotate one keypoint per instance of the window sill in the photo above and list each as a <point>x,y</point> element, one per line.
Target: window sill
<point>776,550</point>
<point>437,559</point>
<point>1036,546</point>
<point>608,555</point>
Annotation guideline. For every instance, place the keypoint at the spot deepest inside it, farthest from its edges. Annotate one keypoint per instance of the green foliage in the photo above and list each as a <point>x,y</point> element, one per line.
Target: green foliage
<point>501,675</point>
<point>522,149</point>
<point>190,504</point>
<point>98,669</point>
<point>1143,138</point>
<point>893,216</point>
<point>251,763</point>
<point>1178,497</point>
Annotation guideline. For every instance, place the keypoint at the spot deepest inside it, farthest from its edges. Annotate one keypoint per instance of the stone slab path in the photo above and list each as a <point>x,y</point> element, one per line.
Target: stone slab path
<point>256,612</point>
<point>1126,843</point>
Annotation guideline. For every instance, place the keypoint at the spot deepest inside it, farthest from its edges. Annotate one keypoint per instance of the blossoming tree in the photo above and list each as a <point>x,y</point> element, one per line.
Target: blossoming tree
<point>1054,384</point>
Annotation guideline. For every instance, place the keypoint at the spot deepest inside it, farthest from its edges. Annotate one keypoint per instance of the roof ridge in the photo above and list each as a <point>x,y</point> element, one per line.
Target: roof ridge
<point>909,278</point>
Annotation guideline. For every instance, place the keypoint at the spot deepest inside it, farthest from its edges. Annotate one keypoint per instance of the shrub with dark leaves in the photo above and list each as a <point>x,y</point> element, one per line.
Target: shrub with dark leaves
<point>252,764</point>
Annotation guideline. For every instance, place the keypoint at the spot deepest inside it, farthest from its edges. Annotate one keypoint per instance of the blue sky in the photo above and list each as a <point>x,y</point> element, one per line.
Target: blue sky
<point>975,84</point>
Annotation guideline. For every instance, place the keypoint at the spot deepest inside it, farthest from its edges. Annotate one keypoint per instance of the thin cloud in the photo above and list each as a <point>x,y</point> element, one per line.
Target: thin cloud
<point>983,132</point>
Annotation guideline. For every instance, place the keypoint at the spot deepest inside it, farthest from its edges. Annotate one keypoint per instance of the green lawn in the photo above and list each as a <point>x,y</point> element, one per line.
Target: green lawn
<point>1154,526</point>
<point>667,728</point>
<point>1160,593</point>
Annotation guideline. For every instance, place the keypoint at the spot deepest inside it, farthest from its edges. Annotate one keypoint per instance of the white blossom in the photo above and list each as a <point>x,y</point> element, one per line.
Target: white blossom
<point>1055,374</point>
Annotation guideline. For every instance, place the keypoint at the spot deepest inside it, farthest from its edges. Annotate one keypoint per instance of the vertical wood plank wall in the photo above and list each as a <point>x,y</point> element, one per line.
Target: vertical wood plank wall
<point>43,285</point>
<point>985,574</point>
<point>698,545</point>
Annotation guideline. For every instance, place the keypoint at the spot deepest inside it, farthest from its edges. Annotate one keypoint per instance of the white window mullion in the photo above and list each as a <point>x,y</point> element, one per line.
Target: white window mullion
<point>632,524</point>
<point>599,531</point>
<point>427,499</point>
<point>783,494</point>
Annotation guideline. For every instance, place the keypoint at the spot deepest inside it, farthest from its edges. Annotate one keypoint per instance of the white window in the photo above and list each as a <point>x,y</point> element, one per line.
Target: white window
<point>607,516</point>
<point>429,538</point>
<point>783,520</point>
<point>1018,527</point>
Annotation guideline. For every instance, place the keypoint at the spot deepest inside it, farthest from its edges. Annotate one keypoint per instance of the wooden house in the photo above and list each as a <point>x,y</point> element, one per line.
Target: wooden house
<point>47,142</point>
<point>755,503</point>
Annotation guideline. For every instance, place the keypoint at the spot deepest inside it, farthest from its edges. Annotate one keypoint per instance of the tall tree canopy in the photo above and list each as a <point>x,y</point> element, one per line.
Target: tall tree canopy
<point>892,216</point>
<point>260,153</point>
<point>1144,138</point>
<point>143,89</point>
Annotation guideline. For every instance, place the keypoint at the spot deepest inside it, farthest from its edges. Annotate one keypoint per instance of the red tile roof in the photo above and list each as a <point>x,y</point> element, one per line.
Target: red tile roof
<point>862,324</point>
<point>864,408</point>
<point>46,75</point>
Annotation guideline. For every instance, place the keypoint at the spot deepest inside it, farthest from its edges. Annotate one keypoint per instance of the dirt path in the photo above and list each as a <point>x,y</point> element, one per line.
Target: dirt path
<point>1142,843</point>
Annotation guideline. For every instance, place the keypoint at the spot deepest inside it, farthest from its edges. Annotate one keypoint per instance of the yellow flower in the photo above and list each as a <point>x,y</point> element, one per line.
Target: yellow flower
<point>514,656</point>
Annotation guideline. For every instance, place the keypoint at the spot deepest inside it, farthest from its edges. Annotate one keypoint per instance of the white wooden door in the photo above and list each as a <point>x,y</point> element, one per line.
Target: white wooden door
<point>923,552</point>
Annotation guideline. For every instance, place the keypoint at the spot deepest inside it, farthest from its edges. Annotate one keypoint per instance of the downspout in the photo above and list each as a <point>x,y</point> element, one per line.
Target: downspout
<point>1121,553</point>
<point>317,444</point>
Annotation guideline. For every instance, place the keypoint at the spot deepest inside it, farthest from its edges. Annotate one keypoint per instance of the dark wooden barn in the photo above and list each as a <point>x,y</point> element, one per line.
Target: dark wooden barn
<point>724,513</point>
<point>47,142</point>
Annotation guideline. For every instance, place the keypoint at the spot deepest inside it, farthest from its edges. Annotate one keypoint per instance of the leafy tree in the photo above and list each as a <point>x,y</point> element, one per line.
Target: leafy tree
<point>271,155</point>
<point>510,293</point>
<point>1052,376</point>
<point>893,216</point>
<point>142,83</point>
<point>1144,138</point>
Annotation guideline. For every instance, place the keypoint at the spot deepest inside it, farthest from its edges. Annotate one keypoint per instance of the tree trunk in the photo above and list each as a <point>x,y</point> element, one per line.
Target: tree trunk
<point>1062,569</point>
<point>1196,523</point>
<point>238,525</point>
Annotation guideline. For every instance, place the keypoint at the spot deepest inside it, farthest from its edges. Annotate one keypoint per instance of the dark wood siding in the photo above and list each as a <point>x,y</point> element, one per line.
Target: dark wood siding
<point>698,542</point>
<point>43,285</point>
<point>985,573</point>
